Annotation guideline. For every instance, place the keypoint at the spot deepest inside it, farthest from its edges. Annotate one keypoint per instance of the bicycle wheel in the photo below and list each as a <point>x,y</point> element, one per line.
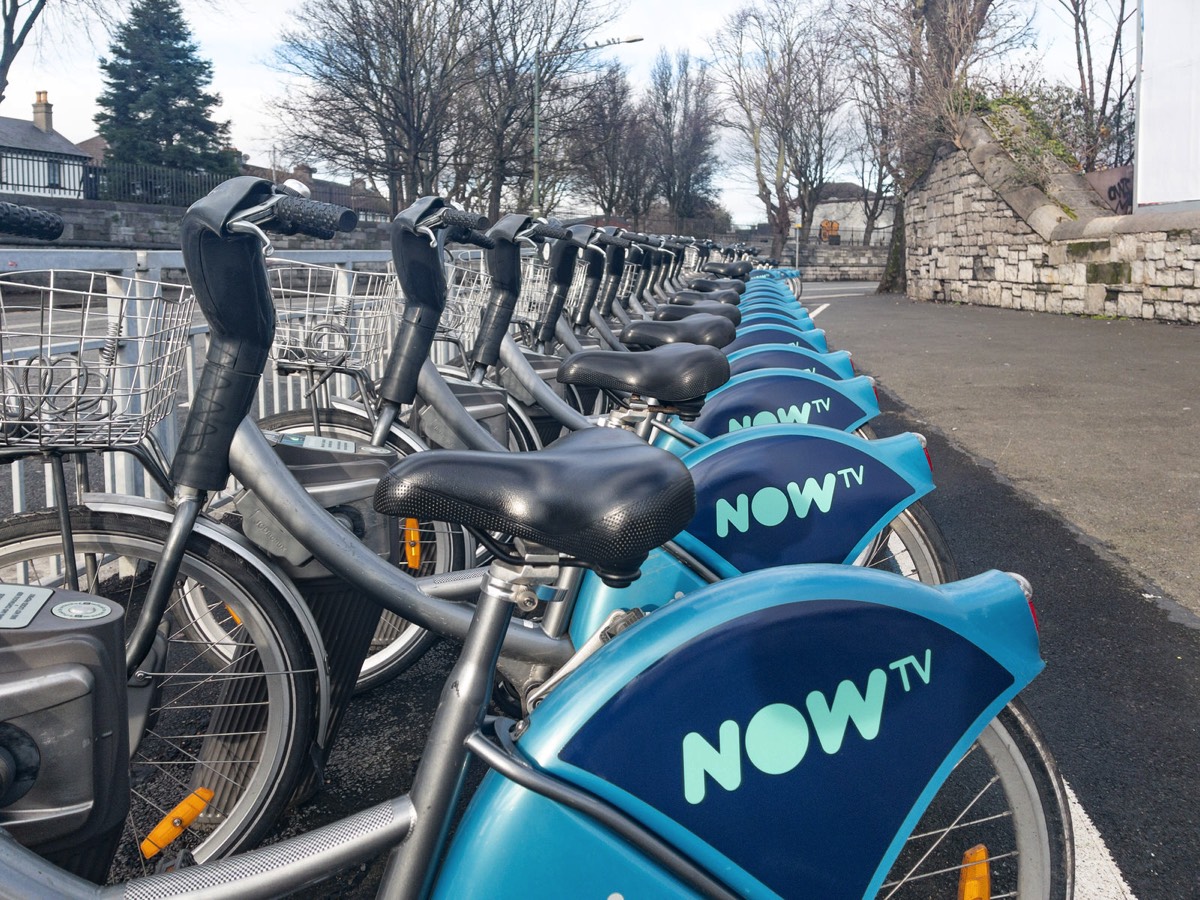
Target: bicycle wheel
<point>912,545</point>
<point>435,547</point>
<point>1005,796</point>
<point>233,714</point>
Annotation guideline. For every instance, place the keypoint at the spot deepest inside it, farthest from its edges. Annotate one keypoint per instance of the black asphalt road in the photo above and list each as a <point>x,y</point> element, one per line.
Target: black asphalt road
<point>1120,698</point>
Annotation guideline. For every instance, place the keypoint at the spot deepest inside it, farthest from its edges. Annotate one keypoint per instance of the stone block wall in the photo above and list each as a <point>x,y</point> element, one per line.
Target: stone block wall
<point>975,235</point>
<point>846,262</point>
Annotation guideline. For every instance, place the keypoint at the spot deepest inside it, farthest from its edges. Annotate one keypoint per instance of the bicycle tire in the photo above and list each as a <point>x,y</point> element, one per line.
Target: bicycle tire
<point>397,643</point>
<point>912,545</point>
<point>1025,824</point>
<point>245,735</point>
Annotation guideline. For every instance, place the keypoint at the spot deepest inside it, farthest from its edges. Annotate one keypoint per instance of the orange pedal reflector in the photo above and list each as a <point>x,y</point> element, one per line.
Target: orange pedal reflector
<point>175,822</point>
<point>412,543</point>
<point>975,877</point>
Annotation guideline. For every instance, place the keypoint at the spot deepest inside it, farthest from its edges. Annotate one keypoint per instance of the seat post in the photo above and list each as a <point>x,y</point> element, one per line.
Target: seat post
<point>461,709</point>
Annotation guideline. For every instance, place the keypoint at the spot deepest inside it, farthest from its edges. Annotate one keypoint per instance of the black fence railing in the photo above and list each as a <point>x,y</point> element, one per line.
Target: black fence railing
<point>155,185</point>
<point>41,174</point>
<point>45,175</point>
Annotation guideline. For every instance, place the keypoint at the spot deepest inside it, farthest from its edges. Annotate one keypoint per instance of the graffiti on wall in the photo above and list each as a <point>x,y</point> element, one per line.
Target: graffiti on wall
<point>1115,186</point>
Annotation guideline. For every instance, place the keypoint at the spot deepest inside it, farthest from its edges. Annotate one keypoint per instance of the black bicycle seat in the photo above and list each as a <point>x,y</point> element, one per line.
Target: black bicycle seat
<point>689,296</point>
<point>712,285</point>
<point>716,331</point>
<point>603,496</point>
<point>673,312</point>
<point>673,373</point>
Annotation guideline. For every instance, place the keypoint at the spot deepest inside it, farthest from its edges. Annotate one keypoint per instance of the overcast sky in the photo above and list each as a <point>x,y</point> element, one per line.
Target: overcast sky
<point>237,37</point>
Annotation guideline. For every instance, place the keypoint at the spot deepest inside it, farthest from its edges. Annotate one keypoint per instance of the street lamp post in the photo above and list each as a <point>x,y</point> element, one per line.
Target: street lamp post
<point>537,103</point>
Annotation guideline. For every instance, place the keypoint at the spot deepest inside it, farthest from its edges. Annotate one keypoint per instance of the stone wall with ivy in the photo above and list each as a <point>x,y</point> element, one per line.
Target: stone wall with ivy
<point>988,227</point>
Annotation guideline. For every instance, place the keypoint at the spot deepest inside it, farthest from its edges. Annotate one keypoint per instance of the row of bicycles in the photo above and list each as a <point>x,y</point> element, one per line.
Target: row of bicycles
<point>709,641</point>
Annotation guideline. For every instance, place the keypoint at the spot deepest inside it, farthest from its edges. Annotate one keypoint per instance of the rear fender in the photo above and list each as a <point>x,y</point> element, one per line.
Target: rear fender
<point>834,364</point>
<point>764,316</point>
<point>786,494</point>
<point>793,767</point>
<point>786,396</point>
<point>778,334</point>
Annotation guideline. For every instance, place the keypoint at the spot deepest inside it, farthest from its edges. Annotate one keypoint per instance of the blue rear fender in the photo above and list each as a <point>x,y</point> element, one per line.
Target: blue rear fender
<point>760,316</point>
<point>778,334</point>
<point>773,396</point>
<point>832,364</point>
<point>784,730</point>
<point>788,494</point>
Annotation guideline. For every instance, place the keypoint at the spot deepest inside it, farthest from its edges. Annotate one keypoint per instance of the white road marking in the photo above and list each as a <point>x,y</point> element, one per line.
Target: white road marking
<point>823,294</point>
<point>1096,874</point>
<point>816,312</point>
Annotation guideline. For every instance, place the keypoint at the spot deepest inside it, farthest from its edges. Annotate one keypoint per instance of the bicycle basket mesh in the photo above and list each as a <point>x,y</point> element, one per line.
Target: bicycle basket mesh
<point>468,291</point>
<point>535,290</point>
<point>88,359</point>
<point>629,277</point>
<point>332,317</point>
<point>691,258</point>
<point>578,287</point>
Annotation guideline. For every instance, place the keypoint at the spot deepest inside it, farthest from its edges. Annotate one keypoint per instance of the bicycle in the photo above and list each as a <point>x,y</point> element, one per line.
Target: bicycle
<point>582,516</point>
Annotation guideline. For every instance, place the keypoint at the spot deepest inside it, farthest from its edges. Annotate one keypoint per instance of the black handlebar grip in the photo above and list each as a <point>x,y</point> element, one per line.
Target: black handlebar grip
<point>312,217</point>
<point>546,230</point>
<point>611,240</point>
<point>461,235</point>
<point>462,219</point>
<point>27,221</point>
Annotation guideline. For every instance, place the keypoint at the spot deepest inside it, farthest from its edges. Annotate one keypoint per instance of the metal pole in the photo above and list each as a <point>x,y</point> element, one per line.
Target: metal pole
<point>537,91</point>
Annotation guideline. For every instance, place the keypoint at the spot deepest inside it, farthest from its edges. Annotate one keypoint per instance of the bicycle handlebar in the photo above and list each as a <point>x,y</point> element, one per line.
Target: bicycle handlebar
<point>546,230</point>
<point>28,221</point>
<point>611,240</point>
<point>296,215</point>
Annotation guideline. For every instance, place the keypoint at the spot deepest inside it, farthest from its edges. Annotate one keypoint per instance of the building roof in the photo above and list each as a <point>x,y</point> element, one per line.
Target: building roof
<point>21,134</point>
<point>96,147</point>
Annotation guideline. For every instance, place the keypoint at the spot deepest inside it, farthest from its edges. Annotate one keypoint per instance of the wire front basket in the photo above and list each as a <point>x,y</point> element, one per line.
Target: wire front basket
<point>332,318</point>
<point>468,292</point>
<point>88,359</point>
<point>535,290</point>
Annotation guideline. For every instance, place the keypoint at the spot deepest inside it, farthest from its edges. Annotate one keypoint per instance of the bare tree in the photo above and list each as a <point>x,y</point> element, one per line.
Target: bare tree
<point>607,134</point>
<point>21,17</point>
<point>521,35</point>
<point>1105,83</point>
<point>923,58</point>
<point>683,118</point>
<point>785,86</point>
<point>868,160</point>
<point>380,81</point>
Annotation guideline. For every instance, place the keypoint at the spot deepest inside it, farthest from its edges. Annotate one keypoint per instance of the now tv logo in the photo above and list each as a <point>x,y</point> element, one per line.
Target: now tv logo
<point>769,506</point>
<point>792,415</point>
<point>778,737</point>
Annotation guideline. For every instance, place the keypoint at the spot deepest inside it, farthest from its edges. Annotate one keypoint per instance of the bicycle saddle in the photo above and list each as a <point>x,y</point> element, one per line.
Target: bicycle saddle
<point>673,312</point>
<point>717,284</point>
<point>733,298</point>
<point>673,373</point>
<point>603,496</point>
<point>704,328</point>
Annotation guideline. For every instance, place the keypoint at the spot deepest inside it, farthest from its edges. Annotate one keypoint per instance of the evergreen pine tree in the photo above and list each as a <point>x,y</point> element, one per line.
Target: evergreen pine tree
<point>155,110</point>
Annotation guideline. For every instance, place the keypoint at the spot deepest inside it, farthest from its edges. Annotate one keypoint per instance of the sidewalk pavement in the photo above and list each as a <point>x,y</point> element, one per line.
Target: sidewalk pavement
<point>1098,419</point>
